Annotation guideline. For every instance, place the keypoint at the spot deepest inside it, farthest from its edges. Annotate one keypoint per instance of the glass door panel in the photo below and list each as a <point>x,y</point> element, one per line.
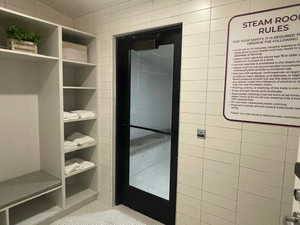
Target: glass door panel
<point>150,162</point>
<point>151,87</point>
<point>151,119</point>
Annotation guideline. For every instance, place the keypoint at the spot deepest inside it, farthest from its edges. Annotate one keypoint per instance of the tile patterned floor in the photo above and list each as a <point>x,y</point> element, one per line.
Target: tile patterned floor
<point>97,214</point>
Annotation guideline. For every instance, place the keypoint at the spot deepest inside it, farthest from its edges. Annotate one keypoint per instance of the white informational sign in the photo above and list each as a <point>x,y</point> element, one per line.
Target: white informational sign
<point>263,67</point>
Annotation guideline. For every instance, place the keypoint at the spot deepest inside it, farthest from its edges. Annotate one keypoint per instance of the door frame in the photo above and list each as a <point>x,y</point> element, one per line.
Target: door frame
<point>120,180</point>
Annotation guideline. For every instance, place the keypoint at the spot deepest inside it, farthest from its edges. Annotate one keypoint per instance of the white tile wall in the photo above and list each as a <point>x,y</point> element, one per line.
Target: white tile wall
<point>37,9</point>
<point>242,174</point>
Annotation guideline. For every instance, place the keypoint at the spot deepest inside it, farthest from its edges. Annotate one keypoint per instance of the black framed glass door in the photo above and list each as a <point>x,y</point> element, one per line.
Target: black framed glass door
<point>148,78</point>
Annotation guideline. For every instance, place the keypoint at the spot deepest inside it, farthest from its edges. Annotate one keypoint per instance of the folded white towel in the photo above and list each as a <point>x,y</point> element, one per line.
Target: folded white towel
<point>80,139</point>
<point>71,167</point>
<point>70,116</point>
<point>76,164</point>
<point>84,114</point>
<point>86,165</point>
<point>69,145</point>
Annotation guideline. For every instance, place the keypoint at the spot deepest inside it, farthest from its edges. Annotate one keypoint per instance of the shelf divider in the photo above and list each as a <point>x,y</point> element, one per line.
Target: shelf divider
<point>81,147</point>
<point>79,88</point>
<point>79,120</point>
<point>77,63</point>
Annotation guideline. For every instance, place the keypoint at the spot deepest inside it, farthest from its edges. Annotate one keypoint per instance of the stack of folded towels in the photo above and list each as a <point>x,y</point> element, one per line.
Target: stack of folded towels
<point>70,116</point>
<point>77,139</point>
<point>79,114</point>
<point>75,165</point>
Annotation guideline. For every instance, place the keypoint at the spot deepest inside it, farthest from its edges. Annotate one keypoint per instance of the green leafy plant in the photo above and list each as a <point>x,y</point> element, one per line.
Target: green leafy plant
<point>15,32</point>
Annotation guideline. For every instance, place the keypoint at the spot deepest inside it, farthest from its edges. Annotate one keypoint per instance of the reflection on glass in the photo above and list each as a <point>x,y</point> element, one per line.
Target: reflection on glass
<point>151,87</point>
<point>151,108</point>
<point>150,162</point>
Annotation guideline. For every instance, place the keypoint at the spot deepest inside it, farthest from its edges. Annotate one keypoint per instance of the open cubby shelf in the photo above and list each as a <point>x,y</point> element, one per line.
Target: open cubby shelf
<point>4,217</point>
<point>47,31</point>
<point>77,36</point>
<point>79,77</point>
<point>77,192</point>
<point>36,211</point>
<point>24,187</point>
<point>84,127</point>
<point>33,188</point>
<point>79,100</point>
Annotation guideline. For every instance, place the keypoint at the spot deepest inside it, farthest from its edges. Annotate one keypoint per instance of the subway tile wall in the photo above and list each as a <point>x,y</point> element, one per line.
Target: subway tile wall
<point>37,9</point>
<point>242,174</point>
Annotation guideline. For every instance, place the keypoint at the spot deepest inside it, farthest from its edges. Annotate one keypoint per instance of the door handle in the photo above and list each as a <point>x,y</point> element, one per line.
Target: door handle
<point>294,219</point>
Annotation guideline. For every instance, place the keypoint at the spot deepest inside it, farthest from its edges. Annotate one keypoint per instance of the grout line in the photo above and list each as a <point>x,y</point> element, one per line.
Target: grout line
<point>218,206</point>
<point>239,175</point>
<point>260,196</point>
<point>219,217</point>
<point>283,177</point>
<point>205,114</point>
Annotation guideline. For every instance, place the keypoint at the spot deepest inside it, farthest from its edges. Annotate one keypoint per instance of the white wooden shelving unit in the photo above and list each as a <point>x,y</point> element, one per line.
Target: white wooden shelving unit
<point>79,88</point>
<point>35,89</point>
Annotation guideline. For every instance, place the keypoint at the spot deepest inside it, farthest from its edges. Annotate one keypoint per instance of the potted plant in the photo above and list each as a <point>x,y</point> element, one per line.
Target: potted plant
<point>22,40</point>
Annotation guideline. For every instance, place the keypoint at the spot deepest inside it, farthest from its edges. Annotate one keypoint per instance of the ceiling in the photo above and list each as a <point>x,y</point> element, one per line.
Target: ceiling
<point>76,8</point>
